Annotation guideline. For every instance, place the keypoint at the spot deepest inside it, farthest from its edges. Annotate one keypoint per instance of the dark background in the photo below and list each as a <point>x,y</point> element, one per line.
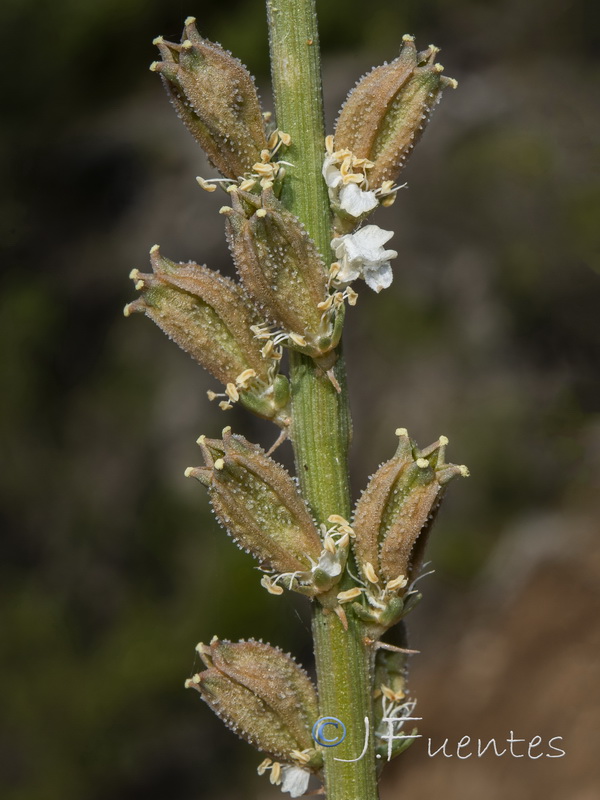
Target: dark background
<point>112,568</point>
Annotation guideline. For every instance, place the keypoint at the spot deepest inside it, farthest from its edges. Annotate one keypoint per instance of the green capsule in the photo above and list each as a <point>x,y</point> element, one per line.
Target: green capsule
<point>216,98</point>
<point>258,503</point>
<point>263,695</point>
<point>282,269</point>
<point>394,514</point>
<point>387,111</point>
<point>210,317</point>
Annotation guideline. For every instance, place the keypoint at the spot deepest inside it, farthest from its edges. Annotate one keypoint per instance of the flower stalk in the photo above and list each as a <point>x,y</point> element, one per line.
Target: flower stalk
<point>321,416</point>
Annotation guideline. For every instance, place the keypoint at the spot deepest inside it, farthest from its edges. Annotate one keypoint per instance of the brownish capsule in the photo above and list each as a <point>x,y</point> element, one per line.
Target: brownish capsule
<point>387,111</point>
<point>210,317</point>
<point>282,269</point>
<point>395,512</point>
<point>265,697</point>
<point>216,98</point>
<point>274,677</point>
<point>258,504</point>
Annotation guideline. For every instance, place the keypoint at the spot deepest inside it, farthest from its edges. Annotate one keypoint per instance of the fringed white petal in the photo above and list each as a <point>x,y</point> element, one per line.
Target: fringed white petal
<point>379,278</point>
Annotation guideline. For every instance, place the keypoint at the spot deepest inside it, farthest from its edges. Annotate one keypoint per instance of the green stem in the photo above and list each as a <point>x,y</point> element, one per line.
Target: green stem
<point>321,425</point>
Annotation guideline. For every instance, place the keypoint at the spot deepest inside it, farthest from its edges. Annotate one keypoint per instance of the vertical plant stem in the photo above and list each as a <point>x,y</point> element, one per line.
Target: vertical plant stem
<point>321,418</point>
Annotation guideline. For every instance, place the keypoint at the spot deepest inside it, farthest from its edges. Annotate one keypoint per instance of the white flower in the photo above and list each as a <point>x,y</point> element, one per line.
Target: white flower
<point>294,780</point>
<point>355,201</point>
<point>361,255</point>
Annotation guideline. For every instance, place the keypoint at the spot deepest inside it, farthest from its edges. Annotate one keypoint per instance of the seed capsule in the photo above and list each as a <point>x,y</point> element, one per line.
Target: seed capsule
<point>387,111</point>
<point>263,695</point>
<point>215,97</point>
<point>210,317</point>
<point>283,271</point>
<point>395,513</point>
<point>257,502</point>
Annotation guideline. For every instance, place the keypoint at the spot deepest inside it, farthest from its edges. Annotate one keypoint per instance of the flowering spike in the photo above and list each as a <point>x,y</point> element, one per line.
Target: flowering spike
<point>386,112</point>
<point>215,96</point>
<point>264,696</point>
<point>281,268</point>
<point>209,316</point>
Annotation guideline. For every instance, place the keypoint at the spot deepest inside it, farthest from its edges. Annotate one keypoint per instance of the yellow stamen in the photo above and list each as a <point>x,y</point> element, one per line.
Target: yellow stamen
<point>349,594</point>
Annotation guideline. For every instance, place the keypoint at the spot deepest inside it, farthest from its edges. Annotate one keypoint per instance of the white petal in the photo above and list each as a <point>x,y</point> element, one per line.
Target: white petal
<point>348,272</point>
<point>345,249</point>
<point>380,277</point>
<point>331,173</point>
<point>337,243</point>
<point>372,236</point>
<point>294,780</point>
<point>329,563</point>
<point>387,255</point>
<point>354,254</point>
<point>356,202</point>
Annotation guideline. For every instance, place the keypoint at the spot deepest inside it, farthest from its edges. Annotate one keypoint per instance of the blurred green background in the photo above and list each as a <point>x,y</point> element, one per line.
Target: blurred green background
<point>113,569</point>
